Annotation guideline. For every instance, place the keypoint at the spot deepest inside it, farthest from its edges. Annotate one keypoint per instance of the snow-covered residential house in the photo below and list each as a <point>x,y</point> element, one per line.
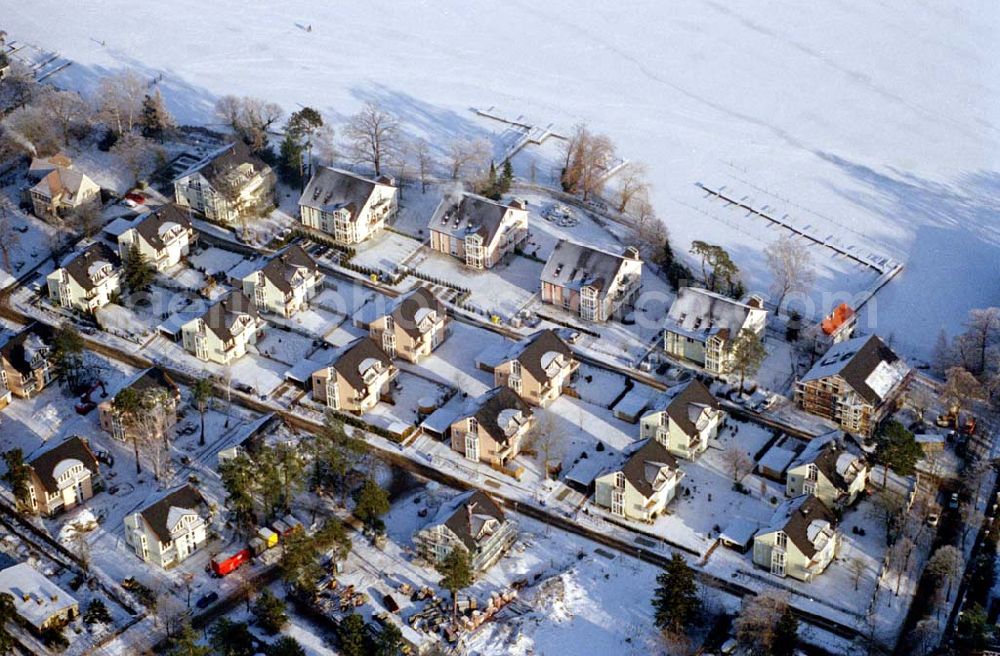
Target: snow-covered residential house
<point>225,331</point>
<point>477,230</point>
<point>349,207</point>
<point>62,476</point>
<point>474,523</point>
<point>415,325</point>
<point>492,427</point>
<point>701,325</point>
<point>591,283</point>
<point>828,471</point>
<point>170,529</point>
<point>855,384</point>
<point>643,486</point>
<point>25,366</point>
<point>837,327</point>
<point>684,420</point>
<point>359,374</point>
<point>61,192</point>
<point>227,184</point>
<point>37,600</point>
<point>42,166</point>
<point>163,236</point>
<point>285,283</point>
<point>537,368</point>
<point>801,540</point>
<point>155,384</point>
<point>87,279</point>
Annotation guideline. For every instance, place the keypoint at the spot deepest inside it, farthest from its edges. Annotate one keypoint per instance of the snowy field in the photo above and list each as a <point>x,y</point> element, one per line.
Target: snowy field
<point>875,124</point>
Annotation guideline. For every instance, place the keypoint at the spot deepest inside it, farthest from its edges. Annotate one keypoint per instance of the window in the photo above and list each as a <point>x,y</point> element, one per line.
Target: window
<point>618,502</point>
<point>781,540</point>
<point>620,480</point>
<point>778,563</point>
<point>472,447</point>
<point>473,425</point>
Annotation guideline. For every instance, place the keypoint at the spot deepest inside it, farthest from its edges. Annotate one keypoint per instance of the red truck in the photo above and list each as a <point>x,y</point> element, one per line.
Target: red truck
<point>225,563</point>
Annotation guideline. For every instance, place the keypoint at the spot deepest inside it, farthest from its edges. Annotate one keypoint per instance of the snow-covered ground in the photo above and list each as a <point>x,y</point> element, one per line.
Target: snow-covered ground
<point>874,125</point>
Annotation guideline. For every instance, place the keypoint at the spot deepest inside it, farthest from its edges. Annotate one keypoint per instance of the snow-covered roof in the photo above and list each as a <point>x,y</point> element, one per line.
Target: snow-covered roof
<point>776,459</point>
<point>699,314</point>
<point>576,266</point>
<point>867,364</point>
<point>739,531</point>
<point>36,598</point>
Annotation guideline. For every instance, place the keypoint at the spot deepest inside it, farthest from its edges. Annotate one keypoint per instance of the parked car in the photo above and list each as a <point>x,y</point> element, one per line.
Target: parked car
<point>933,519</point>
<point>133,199</point>
<point>729,646</point>
<point>953,501</point>
<point>207,600</point>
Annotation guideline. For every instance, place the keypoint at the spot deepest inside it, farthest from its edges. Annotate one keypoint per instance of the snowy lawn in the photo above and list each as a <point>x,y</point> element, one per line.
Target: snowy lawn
<point>285,346</point>
<point>385,252</point>
<point>214,260</point>
<point>502,290</point>
<point>28,241</point>
<point>409,390</point>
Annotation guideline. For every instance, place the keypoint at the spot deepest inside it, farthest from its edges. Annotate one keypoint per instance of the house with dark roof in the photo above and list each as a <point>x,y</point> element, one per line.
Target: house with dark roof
<point>827,470</point>
<point>592,284</point>
<point>285,283</point>
<point>86,280</point>
<point>642,486</point>
<point>61,476</point>
<point>164,236</point>
<point>171,528</point>
<point>477,231</point>
<point>800,541</point>
<point>349,207</point>
<point>537,368</point>
<point>415,325</point>
<point>473,522</point>
<point>684,420</point>
<point>358,376</point>
<point>226,185</point>
<point>225,331</point>
<point>492,427</point>
<point>61,191</point>
<point>157,390</point>
<point>25,364</point>
<point>701,325</point>
<point>856,384</point>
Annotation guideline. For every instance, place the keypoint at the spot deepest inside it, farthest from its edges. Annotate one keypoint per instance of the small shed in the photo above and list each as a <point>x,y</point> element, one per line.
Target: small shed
<point>632,406</point>
<point>738,534</point>
<point>773,464</point>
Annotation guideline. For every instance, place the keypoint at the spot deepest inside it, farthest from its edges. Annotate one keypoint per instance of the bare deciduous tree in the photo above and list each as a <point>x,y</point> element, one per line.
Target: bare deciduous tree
<point>971,518</point>
<point>547,437</point>
<point>632,184</point>
<point>325,143</point>
<point>858,569</point>
<point>737,462</point>
<point>64,109</point>
<point>945,566</point>
<point>31,128</point>
<point>9,238</point>
<point>423,161</point>
<point>468,158</point>
<point>888,508</point>
<point>250,118</point>
<point>587,157</point>
<point>982,333</point>
<point>791,268</point>
<point>373,136</point>
<point>119,100</point>
<point>758,618</point>
<point>137,154</point>
<point>960,390</point>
